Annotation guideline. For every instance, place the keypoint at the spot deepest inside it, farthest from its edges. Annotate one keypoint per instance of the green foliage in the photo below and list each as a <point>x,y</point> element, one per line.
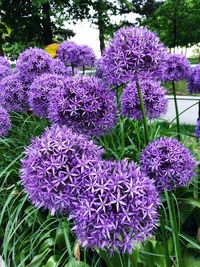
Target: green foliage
<point>32,237</point>
<point>175,21</point>
<point>12,51</point>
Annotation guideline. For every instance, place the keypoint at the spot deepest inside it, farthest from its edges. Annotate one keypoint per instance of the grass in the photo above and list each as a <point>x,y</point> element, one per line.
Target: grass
<point>193,60</point>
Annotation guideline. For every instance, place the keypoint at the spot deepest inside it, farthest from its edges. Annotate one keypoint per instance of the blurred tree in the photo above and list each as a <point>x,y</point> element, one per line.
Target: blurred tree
<point>176,22</point>
<point>33,21</point>
<point>5,31</point>
<point>100,13</point>
<point>146,8</point>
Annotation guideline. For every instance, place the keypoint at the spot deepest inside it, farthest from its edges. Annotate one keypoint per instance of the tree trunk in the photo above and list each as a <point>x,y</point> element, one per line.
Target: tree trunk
<point>46,23</point>
<point>1,48</point>
<point>101,38</point>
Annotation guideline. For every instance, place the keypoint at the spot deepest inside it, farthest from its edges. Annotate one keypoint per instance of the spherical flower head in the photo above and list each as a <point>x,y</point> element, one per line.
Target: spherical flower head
<point>86,56</point>
<point>5,123</point>
<point>154,98</point>
<point>58,67</point>
<point>132,51</point>
<point>33,62</point>
<point>55,166</point>
<point>4,62</point>
<point>38,94</point>
<point>194,80</point>
<point>84,104</point>
<point>69,71</point>
<point>13,93</point>
<point>4,71</point>
<point>176,68</point>
<point>98,72</point>
<point>168,163</point>
<point>119,207</point>
<point>68,53</point>
<point>197,129</point>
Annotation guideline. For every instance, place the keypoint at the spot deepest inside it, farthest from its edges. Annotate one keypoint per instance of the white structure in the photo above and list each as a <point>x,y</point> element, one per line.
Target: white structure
<point>184,102</point>
<point>2,263</point>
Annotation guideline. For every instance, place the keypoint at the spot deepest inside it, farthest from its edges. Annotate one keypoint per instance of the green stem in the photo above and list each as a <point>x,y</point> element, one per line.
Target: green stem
<point>175,231</point>
<point>118,100</point>
<point>120,120</point>
<point>83,69</point>
<point>130,261</point>
<point>177,113</point>
<point>164,236</point>
<point>145,122</point>
<point>72,70</point>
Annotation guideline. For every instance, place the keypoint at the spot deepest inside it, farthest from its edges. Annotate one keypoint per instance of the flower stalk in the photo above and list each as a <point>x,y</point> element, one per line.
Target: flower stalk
<point>145,123</point>
<point>174,225</point>
<point>177,112</point>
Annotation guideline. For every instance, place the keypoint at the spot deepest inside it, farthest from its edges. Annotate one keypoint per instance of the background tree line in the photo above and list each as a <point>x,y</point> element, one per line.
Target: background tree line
<point>40,22</point>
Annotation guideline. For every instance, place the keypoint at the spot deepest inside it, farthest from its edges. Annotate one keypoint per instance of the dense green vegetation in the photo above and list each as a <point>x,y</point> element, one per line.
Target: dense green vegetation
<point>32,237</point>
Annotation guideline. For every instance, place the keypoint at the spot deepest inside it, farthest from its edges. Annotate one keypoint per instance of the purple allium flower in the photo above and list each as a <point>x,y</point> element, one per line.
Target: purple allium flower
<point>38,94</point>
<point>5,123</point>
<point>55,166</point>
<point>86,56</point>
<point>194,80</point>
<point>33,62</point>
<point>98,72</point>
<point>13,93</point>
<point>68,53</point>
<point>85,104</point>
<point>69,71</point>
<point>58,67</point>
<point>132,51</point>
<point>176,68</point>
<point>154,99</point>
<point>197,129</point>
<point>4,62</point>
<point>4,71</point>
<point>168,163</point>
<point>118,208</point>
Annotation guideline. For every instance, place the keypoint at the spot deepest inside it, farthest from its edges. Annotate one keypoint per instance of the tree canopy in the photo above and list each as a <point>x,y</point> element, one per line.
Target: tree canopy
<point>176,22</point>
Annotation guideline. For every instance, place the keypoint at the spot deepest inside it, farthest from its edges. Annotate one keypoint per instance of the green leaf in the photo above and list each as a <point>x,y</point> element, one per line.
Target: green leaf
<point>192,201</point>
<point>52,262</point>
<point>74,263</point>
<point>38,259</point>
<point>46,244</point>
<point>190,259</point>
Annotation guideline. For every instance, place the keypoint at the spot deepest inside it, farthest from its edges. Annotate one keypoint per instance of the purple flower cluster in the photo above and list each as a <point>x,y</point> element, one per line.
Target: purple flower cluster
<point>154,99</point>
<point>67,52</point>
<point>84,104</point>
<point>86,56</point>
<point>38,94</point>
<point>132,52</point>
<point>176,68</point>
<point>55,166</point>
<point>69,71</point>
<point>168,163</point>
<point>197,129</point>
<point>58,67</point>
<point>194,80</point>
<point>76,55</point>
<point>119,207</point>
<point>13,93</point>
<point>5,123</point>
<point>31,63</point>
<point>4,62</point>
<point>4,71</point>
